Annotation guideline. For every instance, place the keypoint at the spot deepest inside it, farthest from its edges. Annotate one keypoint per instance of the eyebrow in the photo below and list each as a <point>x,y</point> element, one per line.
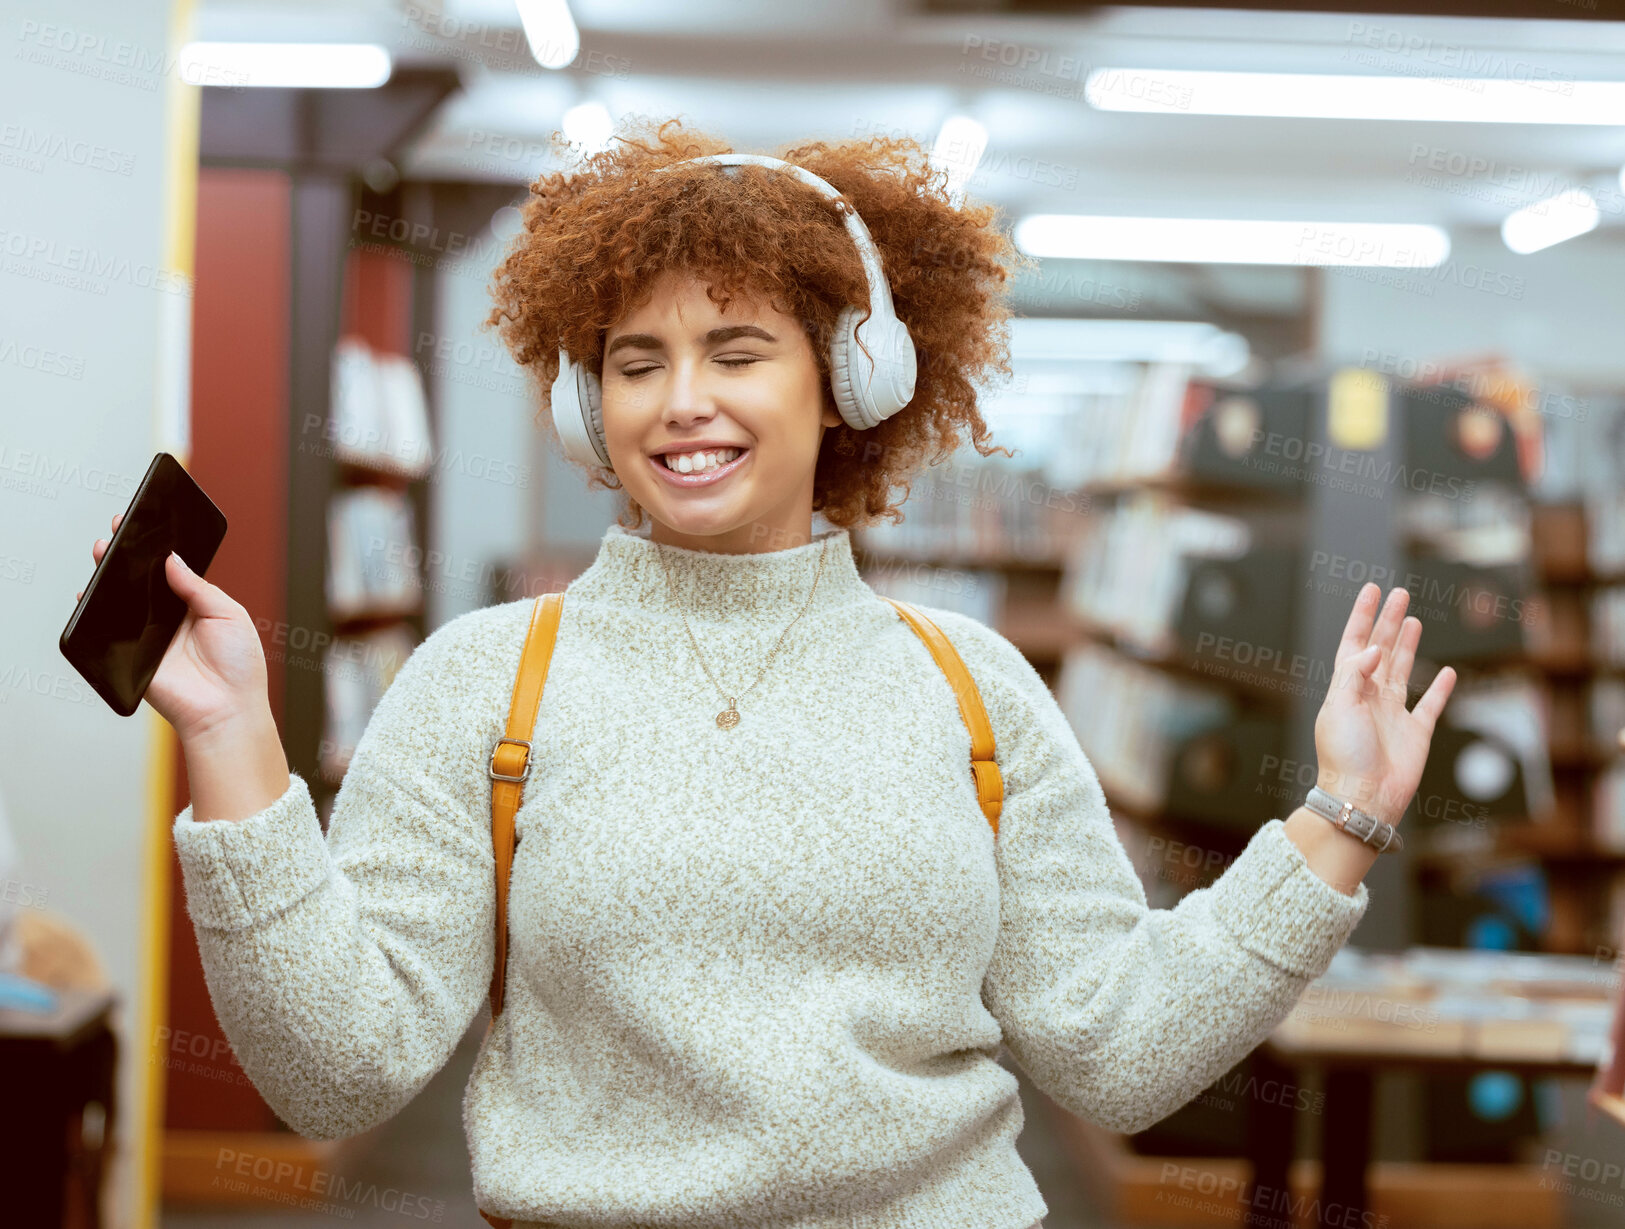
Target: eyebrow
<point>648,341</point>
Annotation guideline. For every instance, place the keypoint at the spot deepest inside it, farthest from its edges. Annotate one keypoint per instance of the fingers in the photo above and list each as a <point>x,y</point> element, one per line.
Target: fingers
<point>1364,631</point>
<point>1387,629</point>
<point>1432,703</point>
<point>98,548</point>
<point>1358,628</point>
<point>1396,676</point>
<point>1359,668</point>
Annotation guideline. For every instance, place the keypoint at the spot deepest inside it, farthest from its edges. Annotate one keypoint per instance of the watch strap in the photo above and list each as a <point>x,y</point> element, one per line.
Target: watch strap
<point>1372,831</point>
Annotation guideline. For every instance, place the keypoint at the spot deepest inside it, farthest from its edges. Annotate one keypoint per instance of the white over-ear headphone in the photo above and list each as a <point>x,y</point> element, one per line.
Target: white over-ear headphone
<point>869,388</point>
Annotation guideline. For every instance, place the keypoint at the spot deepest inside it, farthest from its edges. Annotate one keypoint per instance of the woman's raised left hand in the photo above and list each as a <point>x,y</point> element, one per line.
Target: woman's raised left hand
<point>1370,748</point>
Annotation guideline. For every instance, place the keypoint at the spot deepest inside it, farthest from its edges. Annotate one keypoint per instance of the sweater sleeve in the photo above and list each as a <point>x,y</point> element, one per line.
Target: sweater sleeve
<point>1120,1012</point>
<point>345,969</point>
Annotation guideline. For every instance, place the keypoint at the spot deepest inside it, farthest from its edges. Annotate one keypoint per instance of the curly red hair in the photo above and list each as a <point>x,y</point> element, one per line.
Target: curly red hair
<point>595,238</point>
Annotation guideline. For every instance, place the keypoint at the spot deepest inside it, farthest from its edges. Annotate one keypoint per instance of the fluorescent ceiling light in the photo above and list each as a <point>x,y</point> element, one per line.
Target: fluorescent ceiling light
<point>1481,100</point>
<point>1550,221</point>
<point>323,66</point>
<point>958,150</point>
<point>1232,241</point>
<point>550,31</point>
<point>1203,345</point>
<point>588,126</point>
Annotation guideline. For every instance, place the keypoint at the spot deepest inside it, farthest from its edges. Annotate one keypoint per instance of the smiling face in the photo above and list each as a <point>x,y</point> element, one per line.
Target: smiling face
<point>681,376</point>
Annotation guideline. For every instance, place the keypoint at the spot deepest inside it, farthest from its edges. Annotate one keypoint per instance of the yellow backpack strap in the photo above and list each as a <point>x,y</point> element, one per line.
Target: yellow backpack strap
<point>989,782</point>
<point>510,765</point>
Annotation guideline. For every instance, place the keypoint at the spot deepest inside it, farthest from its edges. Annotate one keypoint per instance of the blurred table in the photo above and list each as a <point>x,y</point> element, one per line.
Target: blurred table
<point>54,1067</point>
<point>1430,1010</point>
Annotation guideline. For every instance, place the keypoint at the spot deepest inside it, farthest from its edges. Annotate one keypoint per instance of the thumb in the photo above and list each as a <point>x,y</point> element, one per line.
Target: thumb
<point>1360,665</point>
<point>205,599</point>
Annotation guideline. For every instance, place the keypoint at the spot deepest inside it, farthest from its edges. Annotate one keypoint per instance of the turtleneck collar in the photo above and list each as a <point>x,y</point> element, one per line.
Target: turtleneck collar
<point>710,585</point>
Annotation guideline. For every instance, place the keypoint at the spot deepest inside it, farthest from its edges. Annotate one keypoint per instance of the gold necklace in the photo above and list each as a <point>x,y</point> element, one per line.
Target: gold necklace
<point>729,717</point>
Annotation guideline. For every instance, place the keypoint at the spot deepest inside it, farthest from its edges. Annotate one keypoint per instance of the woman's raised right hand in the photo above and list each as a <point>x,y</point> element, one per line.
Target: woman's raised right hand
<point>214,669</point>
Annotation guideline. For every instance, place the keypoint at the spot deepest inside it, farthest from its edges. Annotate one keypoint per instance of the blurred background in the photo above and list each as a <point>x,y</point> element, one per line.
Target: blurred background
<point>1321,297</point>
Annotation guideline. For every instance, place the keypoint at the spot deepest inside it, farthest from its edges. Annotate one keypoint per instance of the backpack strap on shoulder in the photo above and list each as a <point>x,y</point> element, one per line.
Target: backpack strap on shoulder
<point>984,768</point>
<point>510,756</point>
<point>511,764</point>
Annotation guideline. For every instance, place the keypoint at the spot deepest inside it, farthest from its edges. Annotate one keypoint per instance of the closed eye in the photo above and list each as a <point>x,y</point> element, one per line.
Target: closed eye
<point>726,362</point>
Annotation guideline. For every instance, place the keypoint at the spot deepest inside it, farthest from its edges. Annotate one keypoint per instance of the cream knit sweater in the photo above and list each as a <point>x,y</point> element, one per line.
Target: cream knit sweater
<point>757,977</point>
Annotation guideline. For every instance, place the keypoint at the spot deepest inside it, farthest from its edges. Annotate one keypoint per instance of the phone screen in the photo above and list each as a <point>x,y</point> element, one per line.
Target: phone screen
<point>128,615</point>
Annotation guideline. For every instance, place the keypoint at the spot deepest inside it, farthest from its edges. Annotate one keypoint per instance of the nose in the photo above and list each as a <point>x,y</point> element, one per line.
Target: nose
<point>687,400</point>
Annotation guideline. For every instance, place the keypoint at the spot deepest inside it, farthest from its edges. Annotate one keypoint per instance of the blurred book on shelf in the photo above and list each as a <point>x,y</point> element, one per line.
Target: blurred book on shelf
<point>548,569</point>
<point>978,510</point>
<point>1492,529</point>
<point>977,592</point>
<point>1605,714</point>
<point>1504,767</point>
<point>1079,421</point>
<point>1176,426</point>
<point>357,671</point>
<point>1130,567</point>
<point>1608,809</point>
<point>1608,627</point>
<point>1605,532</point>
<point>1530,1006</point>
<point>1131,719</point>
<point>1616,889</point>
<point>1557,634</point>
<point>1220,592</point>
<point>1604,451</point>
<point>1522,892</point>
<point>380,416</point>
<point>1607,1091</point>
<point>373,554</point>
<point>1507,412</point>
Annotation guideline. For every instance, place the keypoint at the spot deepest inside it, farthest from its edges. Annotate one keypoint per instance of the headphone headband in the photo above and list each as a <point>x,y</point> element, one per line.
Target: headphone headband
<point>880,300</point>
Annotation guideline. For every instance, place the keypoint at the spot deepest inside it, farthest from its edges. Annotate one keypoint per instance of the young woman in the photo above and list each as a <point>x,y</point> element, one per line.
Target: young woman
<point>765,946</point>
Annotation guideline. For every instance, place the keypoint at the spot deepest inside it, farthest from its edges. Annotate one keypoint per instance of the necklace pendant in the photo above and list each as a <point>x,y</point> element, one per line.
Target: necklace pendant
<point>728,717</point>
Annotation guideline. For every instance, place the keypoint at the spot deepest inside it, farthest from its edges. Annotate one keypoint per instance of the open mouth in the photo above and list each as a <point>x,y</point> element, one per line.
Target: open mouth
<point>699,469</point>
<point>700,462</point>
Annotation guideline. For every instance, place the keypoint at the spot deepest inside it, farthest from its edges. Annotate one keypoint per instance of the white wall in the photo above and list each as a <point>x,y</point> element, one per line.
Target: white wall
<point>1557,310</point>
<point>82,215</point>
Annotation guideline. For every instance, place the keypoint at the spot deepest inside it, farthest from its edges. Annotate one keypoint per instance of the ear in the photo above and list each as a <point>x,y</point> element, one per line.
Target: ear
<point>831,417</point>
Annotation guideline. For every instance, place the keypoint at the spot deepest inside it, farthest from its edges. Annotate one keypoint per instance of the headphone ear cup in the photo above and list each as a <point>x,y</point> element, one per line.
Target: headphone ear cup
<point>841,383</point>
<point>593,395</point>
<point>578,413</point>
<point>867,398</point>
<point>899,367</point>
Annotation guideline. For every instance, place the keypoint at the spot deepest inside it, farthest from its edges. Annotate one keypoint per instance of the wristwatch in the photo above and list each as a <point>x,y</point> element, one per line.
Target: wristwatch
<point>1345,815</point>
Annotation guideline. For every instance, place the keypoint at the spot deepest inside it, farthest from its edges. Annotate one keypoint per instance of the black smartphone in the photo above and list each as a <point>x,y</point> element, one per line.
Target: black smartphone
<point>123,625</point>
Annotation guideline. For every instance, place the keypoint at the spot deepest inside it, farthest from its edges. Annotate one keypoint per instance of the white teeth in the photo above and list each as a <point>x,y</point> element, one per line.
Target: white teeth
<point>698,462</point>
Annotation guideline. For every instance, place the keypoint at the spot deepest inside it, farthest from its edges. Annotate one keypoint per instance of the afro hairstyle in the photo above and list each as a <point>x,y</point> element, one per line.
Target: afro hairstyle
<point>595,237</point>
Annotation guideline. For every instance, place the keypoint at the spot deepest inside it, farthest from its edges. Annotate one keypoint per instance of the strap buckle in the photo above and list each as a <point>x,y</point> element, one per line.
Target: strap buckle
<point>501,776</point>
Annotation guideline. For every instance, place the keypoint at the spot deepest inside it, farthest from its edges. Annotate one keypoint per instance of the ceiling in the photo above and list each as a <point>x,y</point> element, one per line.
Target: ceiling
<point>767,74</point>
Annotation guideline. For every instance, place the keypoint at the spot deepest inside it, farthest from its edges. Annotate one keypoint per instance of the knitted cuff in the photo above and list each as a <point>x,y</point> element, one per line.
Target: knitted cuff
<point>239,872</point>
<point>1279,909</point>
